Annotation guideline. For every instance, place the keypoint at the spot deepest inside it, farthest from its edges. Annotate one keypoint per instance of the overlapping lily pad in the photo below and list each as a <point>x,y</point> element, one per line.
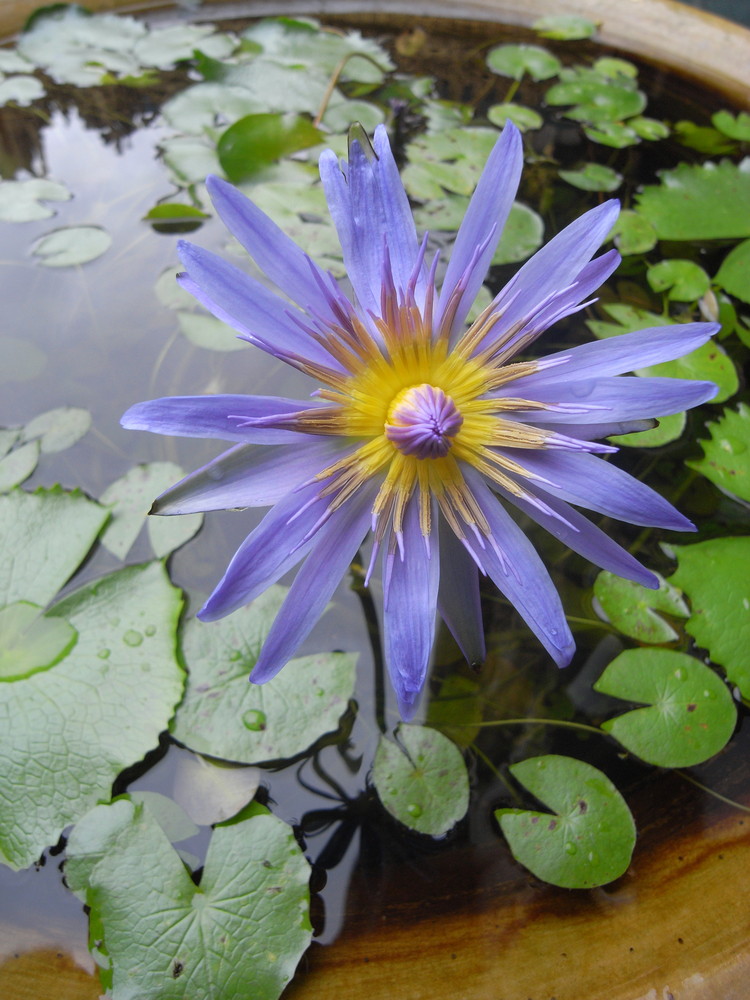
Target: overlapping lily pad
<point>632,608</point>
<point>726,459</point>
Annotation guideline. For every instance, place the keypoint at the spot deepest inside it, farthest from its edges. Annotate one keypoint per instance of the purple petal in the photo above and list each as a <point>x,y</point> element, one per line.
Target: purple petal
<point>519,573</point>
<point>250,475</point>
<point>410,609</point>
<point>458,597</point>
<point>590,482</point>
<point>276,254</point>
<point>483,224</point>
<point>593,432</point>
<point>214,417</point>
<point>336,544</point>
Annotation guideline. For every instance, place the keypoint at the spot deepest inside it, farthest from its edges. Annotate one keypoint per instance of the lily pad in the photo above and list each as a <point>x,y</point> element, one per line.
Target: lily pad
<point>71,246</point>
<point>208,332</point>
<point>163,47</point>
<point>595,97</point>
<point>256,141</point>
<point>648,128</point>
<point>130,497</point>
<point>239,933</point>
<point>703,138</point>
<point>690,715</point>
<point>44,537</point>
<point>21,201</point>
<point>422,782</point>
<point>58,429</point>
<point>225,717</point>
<point>726,459</point>
<point>565,27</point>
<point>18,465</point>
<point>451,160</point>
<point>593,177</point>
<point>734,274</point>
<point>522,117</point>
<point>683,280</point>
<point>516,60</point>
<point>29,641</point>
<point>735,126</point>
<point>587,841</point>
<point>632,608</point>
<point>212,791</point>
<point>710,201</point>
<point>21,90</point>
<point>70,730</point>
<point>523,234</point>
<point>633,234</point>
<point>714,577</point>
<point>617,135</point>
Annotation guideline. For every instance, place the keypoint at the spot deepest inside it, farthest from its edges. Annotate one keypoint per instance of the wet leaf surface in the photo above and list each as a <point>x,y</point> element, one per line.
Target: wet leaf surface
<point>632,608</point>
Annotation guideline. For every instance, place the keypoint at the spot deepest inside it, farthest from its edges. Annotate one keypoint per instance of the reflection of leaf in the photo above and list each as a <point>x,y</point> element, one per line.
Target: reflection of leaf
<point>690,714</point>
<point>699,202</point>
<point>631,607</point>
<point>20,201</point>
<point>734,274</point>
<point>457,709</point>
<point>726,459</point>
<point>424,785</point>
<point>714,577</point>
<point>256,141</point>
<point>224,716</point>
<point>516,60</point>
<point>71,246</point>
<point>239,933</point>
<point>70,730</point>
<point>44,537</point>
<point>211,791</point>
<point>589,840</point>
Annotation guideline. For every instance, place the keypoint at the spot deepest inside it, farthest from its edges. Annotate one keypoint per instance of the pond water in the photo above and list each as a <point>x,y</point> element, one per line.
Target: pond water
<point>101,335</point>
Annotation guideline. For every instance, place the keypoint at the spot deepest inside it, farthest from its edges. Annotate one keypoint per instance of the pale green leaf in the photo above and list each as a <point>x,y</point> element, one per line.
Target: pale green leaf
<point>71,246</point>
<point>58,429</point>
<point>516,60</point>
<point>21,201</point>
<point>18,465</point>
<point>30,641</point>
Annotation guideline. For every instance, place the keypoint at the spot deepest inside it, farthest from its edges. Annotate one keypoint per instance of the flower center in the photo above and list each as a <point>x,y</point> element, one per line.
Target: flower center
<point>422,421</point>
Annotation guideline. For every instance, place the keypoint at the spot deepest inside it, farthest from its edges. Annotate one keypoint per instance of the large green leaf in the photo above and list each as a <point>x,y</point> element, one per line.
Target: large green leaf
<point>44,537</point>
<point>68,731</point>
<point>699,202</point>
<point>224,716</point>
<point>726,459</point>
<point>690,714</point>
<point>734,274</point>
<point>715,577</point>
<point>589,839</point>
<point>422,780</point>
<point>238,934</point>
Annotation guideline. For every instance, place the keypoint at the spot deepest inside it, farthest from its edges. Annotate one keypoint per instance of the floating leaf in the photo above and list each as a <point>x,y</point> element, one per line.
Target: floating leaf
<point>29,641</point>
<point>20,201</point>
<point>457,709</point>
<point>714,577</point>
<point>190,159</point>
<point>590,838</point>
<point>648,128</point>
<point>339,115</point>
<point>208,106</point>
<point>633,234</point>
<point>699,202</point>
<point>596,98</point>
<point>735,126</point>
<point>612,67</point>
<point>18,465</point>
<point>522,235</point>
<point>690,716</point>
<point>684,280</point>
<point>256,141</point>
<point>209,332</point>
<point>163,47</point>
<point>130,497</point>
<point>170,816</point>
<point>224,716</point>
<point>726,458</point>
<point>212,791</point>
<point>239,933</point>
<point>734,274</point>
<point>58,429</point>
<point>441,115</point>
<point>593,177</point>
<point>565,27</point>
<point>71,246</point>
<point>451,160</point>
<point>704,139</point>
<point>20,90</point>
<point>175,217</point>
<point>631,607</point>
<point>666,429</point>
<point>12,62</point>
<point>423,781</point>
<point>614,134</point>
<point>524,118</point>
<point>44,537</point>
<point>516,60</point>
<point>70,730</point>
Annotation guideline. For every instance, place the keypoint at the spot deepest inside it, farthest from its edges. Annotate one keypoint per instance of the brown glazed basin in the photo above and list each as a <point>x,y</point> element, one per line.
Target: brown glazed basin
<point>471,924</point>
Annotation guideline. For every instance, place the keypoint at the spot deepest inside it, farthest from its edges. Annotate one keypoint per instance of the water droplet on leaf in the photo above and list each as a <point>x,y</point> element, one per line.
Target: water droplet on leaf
<point>570,847</point>
<point>132,638</point>
<point>254,720</point>
<point>414,810</point>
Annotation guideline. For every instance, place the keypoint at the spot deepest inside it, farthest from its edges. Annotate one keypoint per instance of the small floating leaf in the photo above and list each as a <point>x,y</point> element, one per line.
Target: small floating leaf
<point>256,141</point>
<point>684,280</point>
<point>423,782</point>
<point>596,99</point>
<point>522,235</point>
<point>208,332</point>
<point>714,577</point>
<point>690,715</point>
<point>614,134</point>
<point>71,246</point>
<point>225,717</point>
<point>593,177</point>
<point>21,201</point>
<point>58,429</point>
<point>726,459</point>
<point>18,465</point>
<point>565,27</point>
<point>648,128</point>
<point>516,60</point>
<point>633,234</point>
<point>735,126</point>
<point>699,202</point>
<point>524,118</point>
<point>734,274</point>
<point>239,933</point>
<point>631,607</point>
<point>589,839</point>
<point>21,90</point>
<point>702,138</point>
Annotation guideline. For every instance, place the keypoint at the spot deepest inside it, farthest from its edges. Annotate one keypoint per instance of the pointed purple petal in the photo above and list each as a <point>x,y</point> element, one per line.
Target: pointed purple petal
<point>211,417</point>
<point>336,544</point>
<point>250,475</point>
<point>520,574</point>
<point>400,230</point>
<point>458,597</point>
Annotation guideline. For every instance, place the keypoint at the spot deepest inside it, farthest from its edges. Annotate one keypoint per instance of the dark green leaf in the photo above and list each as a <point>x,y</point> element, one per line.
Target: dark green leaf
<point>726,459</point>
<point>256,141</point>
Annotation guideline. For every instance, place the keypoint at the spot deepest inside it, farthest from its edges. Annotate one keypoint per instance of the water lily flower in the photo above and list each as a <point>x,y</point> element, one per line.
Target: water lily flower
<point>420,432</point>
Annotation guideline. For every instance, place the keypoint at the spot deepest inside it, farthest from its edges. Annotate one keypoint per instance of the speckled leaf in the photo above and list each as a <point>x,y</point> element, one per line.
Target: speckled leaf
<point>130,498</point>
<point>734,274</point>
<point>451,160</point>
<point>67,732</point>
<point>699,202</point>
<point>690,715</point>
<point>421,780</point>
<point>593,177</point>
<point>224,716</point>
<point>58,429</point>
<point>683,280</point>
<point>631,607</point>
<point>516,60</point>
<point>239,933</point>
<point>589,839</point>
<point>44,537</point>
<point>726,459</point>
<point>21,201</point>
<point>566,27</point>
<point>71,246</point>
<point>18,465</point>
<point>714,576</point>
